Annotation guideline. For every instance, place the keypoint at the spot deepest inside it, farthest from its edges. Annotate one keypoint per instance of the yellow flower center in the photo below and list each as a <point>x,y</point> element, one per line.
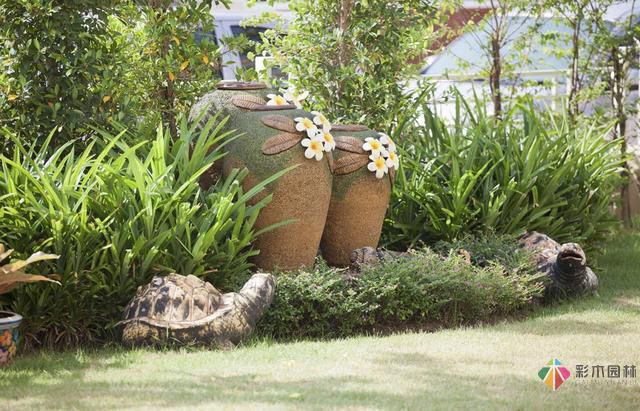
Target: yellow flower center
<point>315,146</point>
<point>392,156</point>
<point>375,145</point>
<point>307,123</point>
<point>322,119</point>
<point>280,100</point>
<point>328,137</point>
<point>379,162</point>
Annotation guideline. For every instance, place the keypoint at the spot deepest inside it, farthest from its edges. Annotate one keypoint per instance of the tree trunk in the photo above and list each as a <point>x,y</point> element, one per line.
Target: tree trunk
<point>618,86</point>
<point>167,93</point>
<point>344,17</point>
<point>572,101</point>
<point>495,75</point>
<point>343,24</point>
<point>168,113</point>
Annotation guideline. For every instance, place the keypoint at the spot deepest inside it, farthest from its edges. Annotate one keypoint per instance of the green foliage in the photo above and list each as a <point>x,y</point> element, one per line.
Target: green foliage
<point>53,56</point>
<point>424,290</point>
<point>74,65</point>
<point>118,217</point>
<point>353,55</point>
<point>529,171</point>
<point>166,62</point>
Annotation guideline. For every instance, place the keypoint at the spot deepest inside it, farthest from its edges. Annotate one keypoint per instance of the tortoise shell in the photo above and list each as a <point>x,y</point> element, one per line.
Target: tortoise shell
<point>174,302</point>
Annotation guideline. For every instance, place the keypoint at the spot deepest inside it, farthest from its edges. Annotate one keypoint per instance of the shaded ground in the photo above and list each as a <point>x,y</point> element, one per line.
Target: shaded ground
<point>490,367</point>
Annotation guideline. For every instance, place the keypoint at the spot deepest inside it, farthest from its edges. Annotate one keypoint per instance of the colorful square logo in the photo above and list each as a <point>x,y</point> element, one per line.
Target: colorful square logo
<point>554,374</point>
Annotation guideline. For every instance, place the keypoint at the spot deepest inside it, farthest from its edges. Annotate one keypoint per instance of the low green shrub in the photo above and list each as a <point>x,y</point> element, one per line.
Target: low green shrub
<point>118,217</point>
<point>527,171</point>
<point>422,291</point>
<point>485,250</point>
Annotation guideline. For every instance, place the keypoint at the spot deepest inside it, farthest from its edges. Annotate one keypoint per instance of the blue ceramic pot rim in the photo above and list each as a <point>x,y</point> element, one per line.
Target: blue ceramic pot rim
<point>11,320</point>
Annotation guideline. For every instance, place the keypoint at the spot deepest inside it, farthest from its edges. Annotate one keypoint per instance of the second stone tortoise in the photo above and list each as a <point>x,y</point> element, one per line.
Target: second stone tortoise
<point>565,266</point>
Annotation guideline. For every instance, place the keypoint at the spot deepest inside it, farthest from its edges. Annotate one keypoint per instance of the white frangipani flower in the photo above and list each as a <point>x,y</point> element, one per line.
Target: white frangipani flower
<point>314,147</point>
<point>375,146</point>
<point>320,120</point>
<point>386,140</point>
<point>378,165</point>
<point>393,160</point>
<point>327,139</point>
<point>305,124</point>
<point>292,96</point>
<point>276,100</point>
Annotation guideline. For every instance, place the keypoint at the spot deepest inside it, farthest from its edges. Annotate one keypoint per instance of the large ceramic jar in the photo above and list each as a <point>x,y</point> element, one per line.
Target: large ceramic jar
<point>360,192</point>
<point>270,142</point>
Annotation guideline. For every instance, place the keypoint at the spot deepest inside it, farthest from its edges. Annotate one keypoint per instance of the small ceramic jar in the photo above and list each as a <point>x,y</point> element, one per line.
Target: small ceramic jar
<point>360,193</point>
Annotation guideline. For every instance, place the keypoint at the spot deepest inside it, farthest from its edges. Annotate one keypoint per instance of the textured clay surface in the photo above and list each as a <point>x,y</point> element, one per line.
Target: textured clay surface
<point>302,195</point>
<point>355,220</point>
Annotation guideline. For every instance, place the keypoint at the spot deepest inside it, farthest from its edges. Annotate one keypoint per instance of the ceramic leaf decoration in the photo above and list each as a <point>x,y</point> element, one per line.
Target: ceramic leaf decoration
<point>280,142</point>
<point>248,101</point>
<point>280,122</point>
<point>350,144</point>
<point>349,163</point>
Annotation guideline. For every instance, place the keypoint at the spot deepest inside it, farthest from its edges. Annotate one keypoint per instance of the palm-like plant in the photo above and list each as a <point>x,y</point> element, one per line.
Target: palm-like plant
<point>11,275</point>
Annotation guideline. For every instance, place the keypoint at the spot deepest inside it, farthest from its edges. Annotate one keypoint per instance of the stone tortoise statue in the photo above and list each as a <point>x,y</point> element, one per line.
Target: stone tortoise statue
<point>186,310</point>
<point>565,265</point>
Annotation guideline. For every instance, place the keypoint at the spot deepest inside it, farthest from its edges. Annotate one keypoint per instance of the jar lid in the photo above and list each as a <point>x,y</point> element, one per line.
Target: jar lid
<point>241,85</point>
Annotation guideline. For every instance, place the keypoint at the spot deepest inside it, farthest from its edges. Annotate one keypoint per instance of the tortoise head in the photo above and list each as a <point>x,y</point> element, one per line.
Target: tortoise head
<point>571,259</point>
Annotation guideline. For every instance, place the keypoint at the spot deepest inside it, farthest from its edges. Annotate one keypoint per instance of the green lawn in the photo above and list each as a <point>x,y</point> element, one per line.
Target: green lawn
<point>489,367</point>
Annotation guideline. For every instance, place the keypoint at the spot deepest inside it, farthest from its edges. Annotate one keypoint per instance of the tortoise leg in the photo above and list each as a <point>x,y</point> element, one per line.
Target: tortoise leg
<point>224,345</point>
<point>136,334</point>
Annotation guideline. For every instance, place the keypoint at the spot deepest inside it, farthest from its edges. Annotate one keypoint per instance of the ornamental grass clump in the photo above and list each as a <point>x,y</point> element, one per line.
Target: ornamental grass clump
<point>528,171</point>
<point>118,213</point>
